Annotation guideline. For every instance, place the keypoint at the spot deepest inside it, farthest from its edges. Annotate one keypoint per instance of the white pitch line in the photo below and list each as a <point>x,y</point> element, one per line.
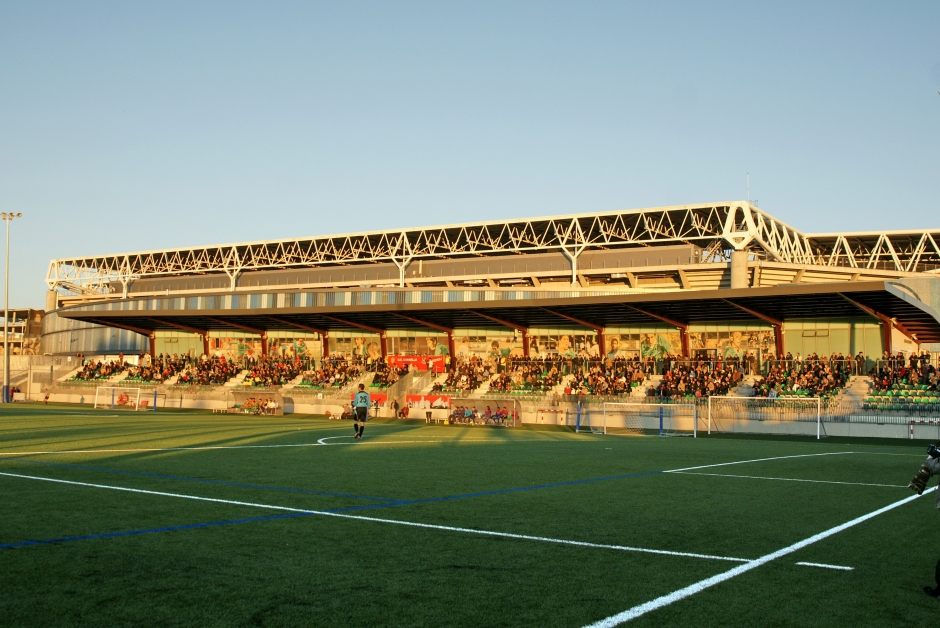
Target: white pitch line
<point>692,589</point>
<point>213,447</point>
<point>724,464</point>
<point>396,442</point>
<point>508,535</point>
<point>825,566</point>
<point>761,477</point>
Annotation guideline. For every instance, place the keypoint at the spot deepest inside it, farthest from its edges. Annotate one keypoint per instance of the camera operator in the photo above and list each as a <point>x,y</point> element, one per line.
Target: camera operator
<point>930,467</point>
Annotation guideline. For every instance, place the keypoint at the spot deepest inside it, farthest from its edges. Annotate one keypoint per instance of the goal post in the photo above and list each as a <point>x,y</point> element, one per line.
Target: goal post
<point>119,398</point>
<point>650,419</point>
<point>799,416</point>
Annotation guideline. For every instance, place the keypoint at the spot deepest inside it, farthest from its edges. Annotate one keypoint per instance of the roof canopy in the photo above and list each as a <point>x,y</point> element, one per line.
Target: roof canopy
<point>383,310</point>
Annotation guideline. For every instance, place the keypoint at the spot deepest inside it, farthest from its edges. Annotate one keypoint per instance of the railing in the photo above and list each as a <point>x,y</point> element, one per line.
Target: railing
<point>847,365</point>
<point>401,386</point>
<point>895,364</point>
<point>422,380</point>
<point>567,366</point>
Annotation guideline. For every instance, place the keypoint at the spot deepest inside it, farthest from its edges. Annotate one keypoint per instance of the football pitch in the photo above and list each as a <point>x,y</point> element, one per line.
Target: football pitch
<point>185,518</point>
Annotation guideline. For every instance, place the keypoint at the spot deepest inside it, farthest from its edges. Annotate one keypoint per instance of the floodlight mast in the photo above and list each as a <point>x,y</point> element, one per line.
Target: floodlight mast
<point>6,396</point>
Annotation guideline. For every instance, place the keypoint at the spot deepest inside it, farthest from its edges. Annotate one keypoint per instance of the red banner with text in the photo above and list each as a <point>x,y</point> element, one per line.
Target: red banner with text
<point>421,362</point>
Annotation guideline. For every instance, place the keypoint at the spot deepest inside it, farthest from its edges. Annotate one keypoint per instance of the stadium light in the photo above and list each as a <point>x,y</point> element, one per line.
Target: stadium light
<point>6,397</point>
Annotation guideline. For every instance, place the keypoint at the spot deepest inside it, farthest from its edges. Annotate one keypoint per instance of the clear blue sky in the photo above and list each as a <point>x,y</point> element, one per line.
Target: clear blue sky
<point>128,125</point>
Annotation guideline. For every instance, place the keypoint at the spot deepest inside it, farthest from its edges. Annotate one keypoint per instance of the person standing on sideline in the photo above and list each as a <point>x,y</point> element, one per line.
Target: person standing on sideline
<point>361,405</point>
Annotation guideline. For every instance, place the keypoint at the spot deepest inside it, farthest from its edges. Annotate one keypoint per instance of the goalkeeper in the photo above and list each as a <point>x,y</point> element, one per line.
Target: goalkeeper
<point>930,467</point>
<point>361,403</point>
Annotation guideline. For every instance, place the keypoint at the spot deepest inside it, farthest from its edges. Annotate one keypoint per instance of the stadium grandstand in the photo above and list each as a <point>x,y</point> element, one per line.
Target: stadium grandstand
<point>641,296</point>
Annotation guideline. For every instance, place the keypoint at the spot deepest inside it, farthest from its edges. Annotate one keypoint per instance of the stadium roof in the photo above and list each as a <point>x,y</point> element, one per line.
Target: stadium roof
<point>383,310</point>
<point>715,227</point>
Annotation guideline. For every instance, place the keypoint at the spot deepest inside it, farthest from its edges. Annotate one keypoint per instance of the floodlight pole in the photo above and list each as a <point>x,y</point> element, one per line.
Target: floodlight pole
<point>6,397</point>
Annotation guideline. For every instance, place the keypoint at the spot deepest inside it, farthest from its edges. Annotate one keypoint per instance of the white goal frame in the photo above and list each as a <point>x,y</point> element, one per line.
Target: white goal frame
<point>110,401</point>
<point>763,403</point>
<point>661,408</point>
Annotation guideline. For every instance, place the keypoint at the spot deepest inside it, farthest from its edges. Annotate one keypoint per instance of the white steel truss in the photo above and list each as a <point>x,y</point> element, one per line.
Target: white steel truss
<point>716,227</point>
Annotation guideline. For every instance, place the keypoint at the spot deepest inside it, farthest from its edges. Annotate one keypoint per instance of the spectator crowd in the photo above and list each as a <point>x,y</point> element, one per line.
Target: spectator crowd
<point>207,371</point>
<point>333,372</point>
<point>915,370</point>
<point>813,376</point>
<point>270,371</point>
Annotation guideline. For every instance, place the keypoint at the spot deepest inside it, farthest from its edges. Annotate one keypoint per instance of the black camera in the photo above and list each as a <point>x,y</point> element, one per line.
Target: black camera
<point>933,451</point>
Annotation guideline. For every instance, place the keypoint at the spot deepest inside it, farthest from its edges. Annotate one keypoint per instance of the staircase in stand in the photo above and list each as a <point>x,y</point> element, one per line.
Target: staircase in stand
<point>70,374</point>
<point>294,382</point>
<point>856,391</point>
<point>120,377</point>
<point>238,380</point>
<point>745,387</point>
<point>559,389</point>
<point>172,380</point>
<point>640,391</point>
<point>426,390</point>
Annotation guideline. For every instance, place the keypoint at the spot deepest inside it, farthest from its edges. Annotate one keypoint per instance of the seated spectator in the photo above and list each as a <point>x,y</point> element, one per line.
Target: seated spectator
<point>813,376</point>
<point>333,373</point>
<point>273,371</point>
<point>208,371</point>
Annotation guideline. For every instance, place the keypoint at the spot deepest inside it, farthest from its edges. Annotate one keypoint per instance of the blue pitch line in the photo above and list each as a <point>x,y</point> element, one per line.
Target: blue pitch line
<point>204,481</point>
<point>191,526</point>
<point>408,502</point>
<point>194,526</point>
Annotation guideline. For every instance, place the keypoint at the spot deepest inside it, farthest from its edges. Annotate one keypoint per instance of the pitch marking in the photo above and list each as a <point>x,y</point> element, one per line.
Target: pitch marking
<point>508,535</point>
<point>213,447</point>
<point>692,589</point>
<point>725,464</point>
<point>825,566</point>
<point>760,477</point>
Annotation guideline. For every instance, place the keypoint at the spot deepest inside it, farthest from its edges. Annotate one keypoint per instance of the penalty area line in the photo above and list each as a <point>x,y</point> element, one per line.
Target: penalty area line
<point>698,587</point>
<point>414,524</point>
<point>725,464</point>
<point>825,566</point>
<point>761,477</point>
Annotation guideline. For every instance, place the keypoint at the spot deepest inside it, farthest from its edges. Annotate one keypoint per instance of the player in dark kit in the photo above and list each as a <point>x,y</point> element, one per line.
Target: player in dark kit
<point>361,404</point>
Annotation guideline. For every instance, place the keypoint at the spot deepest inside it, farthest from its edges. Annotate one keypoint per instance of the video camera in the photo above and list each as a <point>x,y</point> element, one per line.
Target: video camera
<point>919,483</point>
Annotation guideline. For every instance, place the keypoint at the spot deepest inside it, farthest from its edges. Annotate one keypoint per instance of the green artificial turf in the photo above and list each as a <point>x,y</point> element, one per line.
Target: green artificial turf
<point>288,568</point>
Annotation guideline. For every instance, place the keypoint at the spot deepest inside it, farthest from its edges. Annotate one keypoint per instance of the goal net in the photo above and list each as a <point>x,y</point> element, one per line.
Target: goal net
<point>801,416</point>
<point>649,419</point>
<point>119,398</point>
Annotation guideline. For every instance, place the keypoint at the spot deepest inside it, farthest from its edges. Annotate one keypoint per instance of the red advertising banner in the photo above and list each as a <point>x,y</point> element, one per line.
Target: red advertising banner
<point>427,401</point>
<point>421,362</point>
